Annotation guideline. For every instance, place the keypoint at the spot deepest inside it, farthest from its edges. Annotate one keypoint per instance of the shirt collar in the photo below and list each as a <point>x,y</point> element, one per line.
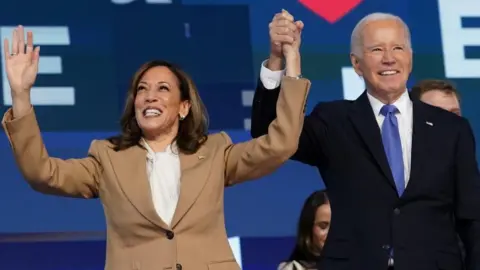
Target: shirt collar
<point>170,149</point>
<point>401,103</point>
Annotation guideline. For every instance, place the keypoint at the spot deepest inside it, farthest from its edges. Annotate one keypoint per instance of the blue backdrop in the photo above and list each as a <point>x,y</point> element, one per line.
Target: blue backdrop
<point>221,43</point>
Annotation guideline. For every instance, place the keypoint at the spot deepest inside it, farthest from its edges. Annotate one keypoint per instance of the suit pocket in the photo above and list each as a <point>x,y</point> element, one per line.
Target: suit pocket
<point>230,264</point>
<point>447,260</point>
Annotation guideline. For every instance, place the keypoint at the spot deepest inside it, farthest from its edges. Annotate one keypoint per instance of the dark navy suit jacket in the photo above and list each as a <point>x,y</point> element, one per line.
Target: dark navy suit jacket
<point>343,140</point>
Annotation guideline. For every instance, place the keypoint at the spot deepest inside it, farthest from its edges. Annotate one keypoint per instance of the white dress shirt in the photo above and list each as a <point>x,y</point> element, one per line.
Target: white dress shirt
<point>271,80</point>
<point>163,170</point>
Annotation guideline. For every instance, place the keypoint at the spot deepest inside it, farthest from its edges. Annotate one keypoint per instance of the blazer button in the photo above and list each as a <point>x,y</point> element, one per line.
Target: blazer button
<point>179,266</point>
<point>396,211</point>
<point>386,247</point>
<point>169,235</point>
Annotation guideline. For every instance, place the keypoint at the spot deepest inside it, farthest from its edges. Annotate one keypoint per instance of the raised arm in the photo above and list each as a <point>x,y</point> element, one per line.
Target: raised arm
<point>263,155</point>
<point>282,30</point>
<point>268,91</point>
<point>74,177</point>
<point>71,178</point>
<point>265,99</point>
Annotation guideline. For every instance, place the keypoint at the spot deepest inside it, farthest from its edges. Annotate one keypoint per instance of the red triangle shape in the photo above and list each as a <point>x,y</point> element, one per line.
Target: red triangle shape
<point>331,10</point>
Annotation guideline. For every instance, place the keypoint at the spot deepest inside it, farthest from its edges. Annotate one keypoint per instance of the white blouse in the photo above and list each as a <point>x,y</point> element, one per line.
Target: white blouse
<point>163,170</point>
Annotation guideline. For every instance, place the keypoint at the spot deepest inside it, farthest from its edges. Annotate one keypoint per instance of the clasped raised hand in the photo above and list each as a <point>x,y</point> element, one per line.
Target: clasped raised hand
<point>285,34</point>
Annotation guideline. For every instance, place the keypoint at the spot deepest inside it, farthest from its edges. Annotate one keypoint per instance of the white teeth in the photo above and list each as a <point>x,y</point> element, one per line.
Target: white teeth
<point>388,72</point>
<point>151,112</point>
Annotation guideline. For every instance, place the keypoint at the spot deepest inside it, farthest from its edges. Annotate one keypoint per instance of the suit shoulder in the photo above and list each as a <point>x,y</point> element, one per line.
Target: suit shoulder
<point>218,138</point>
<point>444,116</point>
<point>332,107</point>
<point>448,122</point>
<point>99,144</point>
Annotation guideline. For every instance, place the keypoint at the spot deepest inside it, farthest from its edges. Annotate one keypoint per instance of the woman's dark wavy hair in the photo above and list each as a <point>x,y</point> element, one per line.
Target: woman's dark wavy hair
<point>304,249</point>
<point>192,131</point>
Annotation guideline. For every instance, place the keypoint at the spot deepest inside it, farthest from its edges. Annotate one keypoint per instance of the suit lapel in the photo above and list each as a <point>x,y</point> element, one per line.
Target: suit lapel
<point>364,121</point>
<point>420,133</point>
<point>131,170</point>
<point>193,180</point>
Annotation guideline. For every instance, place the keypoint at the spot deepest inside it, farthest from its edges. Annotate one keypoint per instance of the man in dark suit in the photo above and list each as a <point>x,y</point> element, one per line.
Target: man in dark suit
<point>396,169</point>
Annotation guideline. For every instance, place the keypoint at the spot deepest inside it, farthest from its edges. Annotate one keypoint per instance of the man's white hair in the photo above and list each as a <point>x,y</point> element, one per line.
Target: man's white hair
<point>356,42</point>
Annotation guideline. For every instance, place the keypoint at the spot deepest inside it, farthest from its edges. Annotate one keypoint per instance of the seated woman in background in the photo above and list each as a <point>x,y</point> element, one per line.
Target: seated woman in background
<point>161,181</point>
<point>312,232</point>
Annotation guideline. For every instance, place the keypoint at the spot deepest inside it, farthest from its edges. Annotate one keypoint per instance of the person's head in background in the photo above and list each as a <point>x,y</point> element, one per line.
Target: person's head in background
<point>313,227</point>
<point>438,93</point>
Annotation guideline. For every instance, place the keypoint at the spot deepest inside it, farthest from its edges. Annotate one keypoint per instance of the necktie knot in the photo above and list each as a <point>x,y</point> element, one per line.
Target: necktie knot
<point>388,109</point>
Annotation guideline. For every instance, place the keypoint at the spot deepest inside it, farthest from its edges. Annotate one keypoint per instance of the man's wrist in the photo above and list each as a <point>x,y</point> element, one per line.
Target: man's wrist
<point>275,63</point>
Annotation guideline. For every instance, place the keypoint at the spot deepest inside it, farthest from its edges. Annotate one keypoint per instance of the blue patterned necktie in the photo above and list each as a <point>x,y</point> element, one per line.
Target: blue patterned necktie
<point>393,146</point>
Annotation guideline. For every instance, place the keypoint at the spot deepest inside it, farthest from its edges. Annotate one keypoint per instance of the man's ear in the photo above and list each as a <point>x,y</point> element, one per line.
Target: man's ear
<point>355,60</point>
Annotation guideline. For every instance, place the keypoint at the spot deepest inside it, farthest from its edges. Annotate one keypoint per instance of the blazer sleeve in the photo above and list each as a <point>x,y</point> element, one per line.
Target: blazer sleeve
<point>468,195</point>
<point>310,150</point>
<point>70,178</point>
<point>261,156</point>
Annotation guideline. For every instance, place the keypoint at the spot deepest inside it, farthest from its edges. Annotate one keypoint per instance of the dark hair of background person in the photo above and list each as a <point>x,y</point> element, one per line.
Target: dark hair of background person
<point>425,86</point>
<point>304,249</point>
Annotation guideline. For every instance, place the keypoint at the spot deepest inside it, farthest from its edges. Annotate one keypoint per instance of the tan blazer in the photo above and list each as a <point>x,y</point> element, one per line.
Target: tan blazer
<point>137,238</point>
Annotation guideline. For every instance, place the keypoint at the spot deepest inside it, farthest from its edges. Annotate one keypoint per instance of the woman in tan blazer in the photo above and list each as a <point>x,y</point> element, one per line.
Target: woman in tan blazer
<point>161,181</point>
